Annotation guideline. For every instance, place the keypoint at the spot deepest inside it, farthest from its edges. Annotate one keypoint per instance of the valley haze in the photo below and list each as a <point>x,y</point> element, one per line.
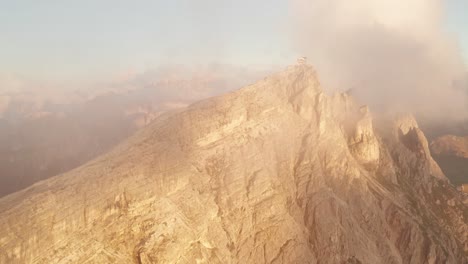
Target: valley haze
<point>284,131</point>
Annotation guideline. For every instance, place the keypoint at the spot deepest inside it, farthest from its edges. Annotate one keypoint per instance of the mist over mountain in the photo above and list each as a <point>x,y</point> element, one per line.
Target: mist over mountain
<point>44,133</point>
<point>174,132</point>
<point>392,55</point>
<point>276,172</point>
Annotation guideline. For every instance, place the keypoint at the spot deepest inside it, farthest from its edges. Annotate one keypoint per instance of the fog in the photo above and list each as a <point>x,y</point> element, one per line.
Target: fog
<point>47,128</point>
<point>395,55</point>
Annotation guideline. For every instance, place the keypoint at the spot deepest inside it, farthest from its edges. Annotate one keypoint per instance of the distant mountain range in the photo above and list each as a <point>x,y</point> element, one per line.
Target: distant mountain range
<point>451,152</point>
<point>47,132</point>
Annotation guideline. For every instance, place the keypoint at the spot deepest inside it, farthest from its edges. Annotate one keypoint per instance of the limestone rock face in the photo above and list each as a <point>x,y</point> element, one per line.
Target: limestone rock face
<point>276,172</point>
<point>363,143</point>
<point>415,140</point>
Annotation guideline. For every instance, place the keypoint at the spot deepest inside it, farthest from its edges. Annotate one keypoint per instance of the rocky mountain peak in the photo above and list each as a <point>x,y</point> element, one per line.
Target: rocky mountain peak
<point>276,172</point>
<point>405,122</point>
<point>414,139</point>
<point>299,85</point>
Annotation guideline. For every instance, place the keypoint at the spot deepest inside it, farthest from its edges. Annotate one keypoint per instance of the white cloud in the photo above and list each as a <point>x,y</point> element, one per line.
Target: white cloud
<point>395,54</point>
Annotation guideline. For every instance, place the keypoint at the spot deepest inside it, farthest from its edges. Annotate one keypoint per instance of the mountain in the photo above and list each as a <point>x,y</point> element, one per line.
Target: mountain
<point>45,132</point>
<point>451,145</point>
<point>276,172</point>
<point>451,153</point>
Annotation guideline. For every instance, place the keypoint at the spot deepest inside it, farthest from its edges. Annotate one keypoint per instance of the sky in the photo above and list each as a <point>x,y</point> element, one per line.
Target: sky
<point>458,23</point>
<point>67,39</point>
<point>91,39</point>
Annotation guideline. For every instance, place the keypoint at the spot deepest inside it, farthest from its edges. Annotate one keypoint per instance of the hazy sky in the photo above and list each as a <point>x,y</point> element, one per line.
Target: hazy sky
<point>69,40</point>
<point>458,22</point>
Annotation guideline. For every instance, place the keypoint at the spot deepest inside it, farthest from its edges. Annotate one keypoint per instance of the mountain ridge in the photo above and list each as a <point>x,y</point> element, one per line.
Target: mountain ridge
<point>276,172</point>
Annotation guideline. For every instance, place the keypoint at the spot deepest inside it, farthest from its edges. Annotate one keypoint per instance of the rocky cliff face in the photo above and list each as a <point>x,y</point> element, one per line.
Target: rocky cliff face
<point>277,172</point>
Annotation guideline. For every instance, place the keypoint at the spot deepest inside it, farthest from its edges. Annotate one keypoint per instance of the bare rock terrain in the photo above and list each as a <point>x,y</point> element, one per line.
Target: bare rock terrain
<point>276,172</point>
<point>51,130</point>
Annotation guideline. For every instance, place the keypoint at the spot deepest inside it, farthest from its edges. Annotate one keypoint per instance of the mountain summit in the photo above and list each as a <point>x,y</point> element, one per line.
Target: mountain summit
<point>276,172</point>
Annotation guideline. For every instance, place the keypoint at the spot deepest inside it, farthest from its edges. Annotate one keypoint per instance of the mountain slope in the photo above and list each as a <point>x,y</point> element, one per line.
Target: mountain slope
<point>451,152</point>
<point>277,172</point>
<point>51,130</point>
<point>451,145</point>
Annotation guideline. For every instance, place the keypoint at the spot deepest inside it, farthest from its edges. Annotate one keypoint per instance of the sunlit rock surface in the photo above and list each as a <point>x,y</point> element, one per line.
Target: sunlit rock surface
<point>276,172</point>
<point>363,143</point>
<point>413,138</point>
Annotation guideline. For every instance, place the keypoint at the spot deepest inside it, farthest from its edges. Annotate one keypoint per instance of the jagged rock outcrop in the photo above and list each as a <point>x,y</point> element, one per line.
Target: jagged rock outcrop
<point>413,138</point>
<point>364,144</point>
<point>277,172</point>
